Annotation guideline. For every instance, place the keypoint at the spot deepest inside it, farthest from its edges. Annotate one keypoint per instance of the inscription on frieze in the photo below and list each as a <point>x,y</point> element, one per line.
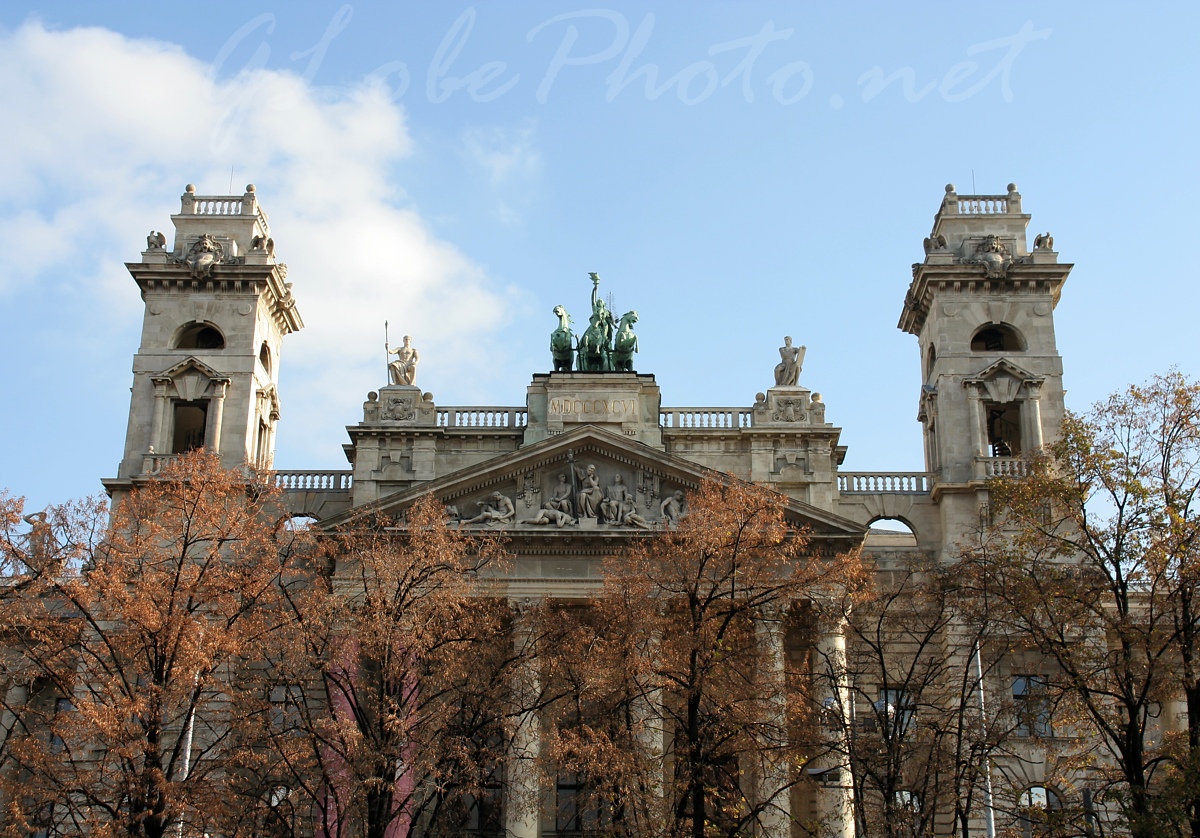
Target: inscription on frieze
<point>593,409</point>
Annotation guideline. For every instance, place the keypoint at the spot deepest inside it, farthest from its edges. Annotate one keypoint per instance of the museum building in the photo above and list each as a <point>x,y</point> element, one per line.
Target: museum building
<point>595,433</point>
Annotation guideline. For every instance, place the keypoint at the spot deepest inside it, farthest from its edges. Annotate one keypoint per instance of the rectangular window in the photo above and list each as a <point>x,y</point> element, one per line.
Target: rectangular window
<point>577,810</point>
<point>1031,705</point>
<point>287,702</point>
<point>1003,429</point>
<point>897,711</point>
<point>191,420</point>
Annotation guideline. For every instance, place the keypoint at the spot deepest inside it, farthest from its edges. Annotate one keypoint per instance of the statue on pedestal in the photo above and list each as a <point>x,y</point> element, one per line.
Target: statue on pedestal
<point>791,358</point>
<point>403,370</point>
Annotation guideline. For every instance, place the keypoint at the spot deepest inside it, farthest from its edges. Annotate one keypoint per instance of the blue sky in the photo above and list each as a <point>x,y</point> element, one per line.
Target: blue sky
<point>735,172</point>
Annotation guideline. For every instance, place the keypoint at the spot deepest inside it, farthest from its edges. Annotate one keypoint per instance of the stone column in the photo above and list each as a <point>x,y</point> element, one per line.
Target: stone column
<point>775,785</point>
<point>18,695</point>
<point>212,439</point>
<point>836,795</point>
<point>522,789</point>
<point>270,453</point>
<point>978,422</point>
<point>1035,415</point>
<point>156,423</point>
<point>652,738</point>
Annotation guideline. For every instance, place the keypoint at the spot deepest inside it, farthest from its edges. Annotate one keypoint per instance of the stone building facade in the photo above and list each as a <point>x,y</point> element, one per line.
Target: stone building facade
<point>981,306</point>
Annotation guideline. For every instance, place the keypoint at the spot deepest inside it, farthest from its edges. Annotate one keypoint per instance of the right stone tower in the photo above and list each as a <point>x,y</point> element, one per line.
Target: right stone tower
<point>982,308</point>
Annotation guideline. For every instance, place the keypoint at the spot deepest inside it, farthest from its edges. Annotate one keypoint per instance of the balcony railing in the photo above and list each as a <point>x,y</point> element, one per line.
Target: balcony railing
<point>1003,466</point>
<point>706,417</point>
<point>876,482</point>
<point>982,204</point>
<point>314,481</point>
<point>482,417</point>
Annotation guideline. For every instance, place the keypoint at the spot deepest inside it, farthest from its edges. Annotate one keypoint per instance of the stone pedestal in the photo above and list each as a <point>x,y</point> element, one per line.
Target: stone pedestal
<point>624,403</point>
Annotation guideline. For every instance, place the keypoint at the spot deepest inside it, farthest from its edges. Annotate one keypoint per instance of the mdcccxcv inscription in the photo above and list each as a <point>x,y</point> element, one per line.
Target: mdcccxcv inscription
<point>593,409</point>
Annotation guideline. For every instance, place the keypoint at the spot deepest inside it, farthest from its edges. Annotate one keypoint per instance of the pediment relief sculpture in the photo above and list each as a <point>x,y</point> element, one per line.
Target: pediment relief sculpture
<point>576,495</point>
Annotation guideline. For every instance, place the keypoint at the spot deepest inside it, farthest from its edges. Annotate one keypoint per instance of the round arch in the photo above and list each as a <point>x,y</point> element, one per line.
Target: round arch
<point>997,337</point>
<point>892,524</point>
<point>198,335</point>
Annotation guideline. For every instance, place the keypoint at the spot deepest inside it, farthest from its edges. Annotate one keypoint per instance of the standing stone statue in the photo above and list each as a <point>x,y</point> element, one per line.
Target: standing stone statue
<point>403,370</point>
<point>791,358</point>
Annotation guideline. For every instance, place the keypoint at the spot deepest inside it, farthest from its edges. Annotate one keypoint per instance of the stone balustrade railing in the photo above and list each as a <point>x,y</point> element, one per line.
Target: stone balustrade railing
<point>482,417</point>
<point>1003,466</point>
<point>315,481</point>
<point>213,205</point>
<point>874,482</point>
<point>706,417</point>
<point>224,205</point>
<point>155,463</point>
<point>982,204</point>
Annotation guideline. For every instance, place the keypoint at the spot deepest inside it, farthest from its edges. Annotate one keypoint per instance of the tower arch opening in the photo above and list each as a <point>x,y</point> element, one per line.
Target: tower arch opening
<point>198,335</point>
<point>997,337</point>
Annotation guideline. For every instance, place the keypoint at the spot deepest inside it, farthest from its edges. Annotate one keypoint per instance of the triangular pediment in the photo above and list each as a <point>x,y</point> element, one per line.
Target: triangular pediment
<point>1002,381</point>
<point>1001,368</point>
<point>191,364</point>
<point>530,476</point>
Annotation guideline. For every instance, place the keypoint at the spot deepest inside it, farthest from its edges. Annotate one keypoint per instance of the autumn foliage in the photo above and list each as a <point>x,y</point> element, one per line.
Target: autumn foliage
<point>1094,559</point>
<point>683,714</point>
<point>123,647</point>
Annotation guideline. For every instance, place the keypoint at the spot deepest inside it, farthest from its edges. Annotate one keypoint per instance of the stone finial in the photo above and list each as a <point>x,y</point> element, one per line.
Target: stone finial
<point>950,187</point>
<point>250,188</point>
<point>190,189</point>
<point>1012,187</point>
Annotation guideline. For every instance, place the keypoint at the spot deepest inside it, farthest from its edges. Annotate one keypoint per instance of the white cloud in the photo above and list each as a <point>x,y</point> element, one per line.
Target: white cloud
<point>500,152</point>
<point>103,131</point>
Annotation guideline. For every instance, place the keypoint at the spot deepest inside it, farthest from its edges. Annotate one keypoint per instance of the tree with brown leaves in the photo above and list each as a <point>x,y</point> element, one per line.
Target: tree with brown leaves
<point>391,708</point>
<point>1096,557</point>
<point>921,735</point>
<point>688,716</point>
<point>124,646</point>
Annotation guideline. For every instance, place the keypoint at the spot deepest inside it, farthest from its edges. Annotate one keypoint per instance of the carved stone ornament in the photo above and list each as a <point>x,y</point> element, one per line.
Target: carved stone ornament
<point>994,256</point>
<point>496,510</point>
<point>789,410</point>
<point>1043,241</point>
<point>530,489</point>
<point>933,243</point>
<point>399,408</point>
<point>155,241</point>
<point>205,254</point>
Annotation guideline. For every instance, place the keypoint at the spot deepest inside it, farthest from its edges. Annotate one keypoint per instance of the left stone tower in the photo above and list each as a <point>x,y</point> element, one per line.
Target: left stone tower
<point>218,305</point>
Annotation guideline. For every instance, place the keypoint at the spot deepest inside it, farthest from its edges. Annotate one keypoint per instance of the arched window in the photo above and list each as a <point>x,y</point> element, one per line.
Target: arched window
<point>199,336</point>
<point>997,337</point>
<point>264,357</point>
<point>1040,812</point>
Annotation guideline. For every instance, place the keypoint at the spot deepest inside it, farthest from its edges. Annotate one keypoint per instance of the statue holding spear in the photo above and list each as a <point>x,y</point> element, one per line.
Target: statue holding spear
<point>403,370</point>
